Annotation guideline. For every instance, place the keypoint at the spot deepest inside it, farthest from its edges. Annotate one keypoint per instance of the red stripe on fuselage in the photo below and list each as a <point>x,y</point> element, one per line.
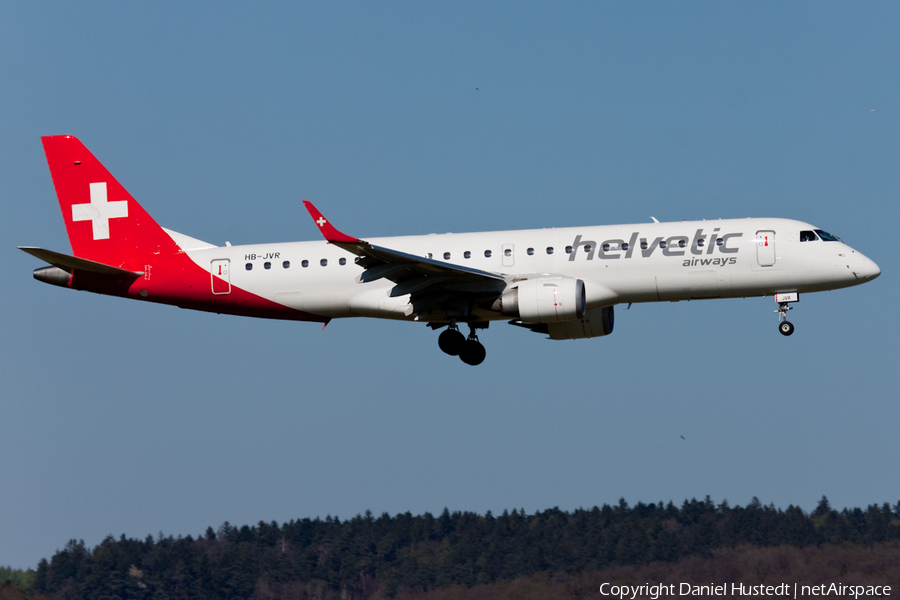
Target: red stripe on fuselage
<point>179,281</point>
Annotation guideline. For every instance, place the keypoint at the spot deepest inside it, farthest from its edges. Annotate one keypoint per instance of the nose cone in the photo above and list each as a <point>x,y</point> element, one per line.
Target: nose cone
<point>853,268</point>
<point>863,268</point>
<point>869,270</point>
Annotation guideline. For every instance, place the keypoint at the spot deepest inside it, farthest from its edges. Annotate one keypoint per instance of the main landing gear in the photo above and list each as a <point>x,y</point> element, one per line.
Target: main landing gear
<point>469,350</point>
<point>785,327</point>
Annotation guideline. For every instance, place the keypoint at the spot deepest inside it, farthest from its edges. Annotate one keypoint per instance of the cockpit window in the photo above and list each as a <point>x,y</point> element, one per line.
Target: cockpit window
<point>827,237</point>
<point>807,236</point>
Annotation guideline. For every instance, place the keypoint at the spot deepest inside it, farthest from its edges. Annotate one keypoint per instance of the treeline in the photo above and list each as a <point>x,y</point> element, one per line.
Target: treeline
<point>850,564</point>
<point>367,556</point>
<point>17,577</point>
<point>13,581</point>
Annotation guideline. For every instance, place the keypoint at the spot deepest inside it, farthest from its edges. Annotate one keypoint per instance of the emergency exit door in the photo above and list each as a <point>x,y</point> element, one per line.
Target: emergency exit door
<point>221,278</point>
<point>765,248</point>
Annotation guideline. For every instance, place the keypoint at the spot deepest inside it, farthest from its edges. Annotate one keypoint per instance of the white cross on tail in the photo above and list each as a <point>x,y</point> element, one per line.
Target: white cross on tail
<point>100,211</point>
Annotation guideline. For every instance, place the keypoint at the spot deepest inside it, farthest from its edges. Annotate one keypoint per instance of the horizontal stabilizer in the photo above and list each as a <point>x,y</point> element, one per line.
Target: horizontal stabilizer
<point>69,263</point>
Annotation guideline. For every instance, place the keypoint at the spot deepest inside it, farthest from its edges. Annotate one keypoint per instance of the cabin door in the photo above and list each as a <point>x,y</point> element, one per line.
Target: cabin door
<point>765,248</point>
<point>221,278</point>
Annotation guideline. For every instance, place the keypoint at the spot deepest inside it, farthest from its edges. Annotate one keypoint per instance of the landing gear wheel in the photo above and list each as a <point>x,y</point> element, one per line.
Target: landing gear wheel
<point>451,341</point>
<point>784,326</point>
<point>472,352</point>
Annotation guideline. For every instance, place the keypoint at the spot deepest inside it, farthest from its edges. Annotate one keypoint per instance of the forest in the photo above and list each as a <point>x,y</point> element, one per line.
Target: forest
<point>551,553</point>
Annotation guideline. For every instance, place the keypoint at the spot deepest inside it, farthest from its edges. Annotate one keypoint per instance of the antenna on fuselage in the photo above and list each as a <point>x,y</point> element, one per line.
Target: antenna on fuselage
<point>654,219</point>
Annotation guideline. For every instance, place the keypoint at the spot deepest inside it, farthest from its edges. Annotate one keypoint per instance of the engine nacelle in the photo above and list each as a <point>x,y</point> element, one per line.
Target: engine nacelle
<point>545,300</point>
<point>595,323</point>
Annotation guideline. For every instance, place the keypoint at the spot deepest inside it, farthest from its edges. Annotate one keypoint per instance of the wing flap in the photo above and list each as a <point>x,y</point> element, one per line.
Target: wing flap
<point>381,270</point>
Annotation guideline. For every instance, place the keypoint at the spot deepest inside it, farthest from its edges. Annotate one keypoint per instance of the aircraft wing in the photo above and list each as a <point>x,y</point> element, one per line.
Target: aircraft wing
<point>433,284</point>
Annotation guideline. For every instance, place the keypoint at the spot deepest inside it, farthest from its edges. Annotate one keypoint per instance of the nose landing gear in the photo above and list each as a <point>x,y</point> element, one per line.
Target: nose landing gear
<point>785,327</point>
<point>469,349</point>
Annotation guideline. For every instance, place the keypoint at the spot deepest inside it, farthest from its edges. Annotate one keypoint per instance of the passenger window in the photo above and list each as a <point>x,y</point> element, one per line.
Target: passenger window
<point>342,262</point>
<point>430,256</point>
<point>286,264</point>
<point>549,249</point>
<point>267,265</point>
<point>568,249</point>
<point>605,247</point>
<point>530,251</point>
<point>249,266</point>
<point>467,254</point>
<point>700,243</point>
<point>682,243</point>
<point>304,263</point>
<point>587,248</point>
<point>507,252</point>
<point>720,242</point>
<point>625,246</point>
<point>324,262</point>
<point>643,244</point>
<point>446,256</point>
<point>487,253</point>
<point>662,244</point>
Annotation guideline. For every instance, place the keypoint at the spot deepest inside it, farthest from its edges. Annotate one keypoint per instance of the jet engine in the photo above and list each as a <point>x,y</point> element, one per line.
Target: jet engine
<point>595,323</point>
<point>544,300</point>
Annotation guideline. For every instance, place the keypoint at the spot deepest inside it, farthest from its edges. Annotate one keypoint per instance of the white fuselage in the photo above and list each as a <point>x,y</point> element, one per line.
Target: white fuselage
<point>645,262</point>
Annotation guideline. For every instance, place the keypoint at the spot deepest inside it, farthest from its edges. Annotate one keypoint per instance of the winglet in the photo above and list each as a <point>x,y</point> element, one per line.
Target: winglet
<point>331,234</point>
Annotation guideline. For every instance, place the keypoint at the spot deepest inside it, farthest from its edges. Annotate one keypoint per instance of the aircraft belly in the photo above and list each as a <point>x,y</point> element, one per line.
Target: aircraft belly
<point>704,284</point>
<point>636,285</point>
<point>291,299</point>
<point>378,304</point>
<point>331,299</point>
<point>673,284</point>
<point>744,283</point>
<point>774,281</point>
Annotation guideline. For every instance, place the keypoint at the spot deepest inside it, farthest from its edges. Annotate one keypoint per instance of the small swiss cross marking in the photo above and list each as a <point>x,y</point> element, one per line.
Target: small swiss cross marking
<point>100,211</point>
<point>321,221</point>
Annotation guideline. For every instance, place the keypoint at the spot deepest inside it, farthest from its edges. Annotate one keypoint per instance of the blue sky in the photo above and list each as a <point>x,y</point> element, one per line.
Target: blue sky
<point>407,118</point>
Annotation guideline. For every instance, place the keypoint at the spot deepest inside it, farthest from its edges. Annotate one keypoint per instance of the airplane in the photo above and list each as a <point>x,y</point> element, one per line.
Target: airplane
<point>564,283</point>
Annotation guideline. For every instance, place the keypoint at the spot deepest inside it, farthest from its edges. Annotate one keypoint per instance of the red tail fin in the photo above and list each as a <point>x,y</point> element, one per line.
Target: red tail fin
<point>105,224</point>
